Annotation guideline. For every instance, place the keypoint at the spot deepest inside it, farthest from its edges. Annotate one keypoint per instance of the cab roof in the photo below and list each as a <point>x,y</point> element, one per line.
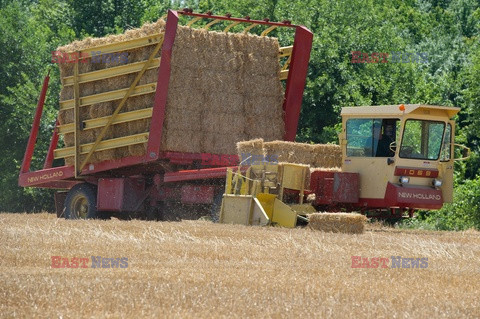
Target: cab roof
<point>394,110</point>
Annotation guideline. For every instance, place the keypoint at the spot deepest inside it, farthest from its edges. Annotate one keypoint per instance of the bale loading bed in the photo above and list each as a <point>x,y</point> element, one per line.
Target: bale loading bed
<point>224,87</point>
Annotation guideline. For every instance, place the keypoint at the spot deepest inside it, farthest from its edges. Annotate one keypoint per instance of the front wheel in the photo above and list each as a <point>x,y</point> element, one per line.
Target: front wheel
<point>81,202</point>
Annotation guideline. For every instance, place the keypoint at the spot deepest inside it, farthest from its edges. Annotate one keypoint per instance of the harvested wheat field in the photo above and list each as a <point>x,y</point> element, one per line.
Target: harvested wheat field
<point>198,269</point>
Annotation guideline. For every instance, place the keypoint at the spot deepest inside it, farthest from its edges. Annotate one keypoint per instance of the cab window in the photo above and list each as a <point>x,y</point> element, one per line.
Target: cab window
<point>422,139</point>
<point>371,137</point>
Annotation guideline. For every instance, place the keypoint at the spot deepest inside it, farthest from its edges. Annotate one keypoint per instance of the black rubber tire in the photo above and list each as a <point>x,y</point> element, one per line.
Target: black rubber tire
<point>154,213</point>
<point>391,221</point>
<point>81,202</point>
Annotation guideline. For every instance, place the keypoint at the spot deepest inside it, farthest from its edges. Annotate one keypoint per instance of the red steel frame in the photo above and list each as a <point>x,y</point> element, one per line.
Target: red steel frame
<point>63,177</point>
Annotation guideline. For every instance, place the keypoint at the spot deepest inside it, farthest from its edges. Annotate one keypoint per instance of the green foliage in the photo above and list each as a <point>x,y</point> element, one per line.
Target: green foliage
<point>462,214</point>
<point>446,31</point>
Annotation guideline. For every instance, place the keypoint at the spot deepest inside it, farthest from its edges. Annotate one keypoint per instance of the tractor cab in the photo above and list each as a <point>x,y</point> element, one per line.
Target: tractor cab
<point>403,154</point>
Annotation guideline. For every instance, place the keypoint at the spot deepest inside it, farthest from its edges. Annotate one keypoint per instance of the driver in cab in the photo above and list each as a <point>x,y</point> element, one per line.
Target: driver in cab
<point>382,138</point>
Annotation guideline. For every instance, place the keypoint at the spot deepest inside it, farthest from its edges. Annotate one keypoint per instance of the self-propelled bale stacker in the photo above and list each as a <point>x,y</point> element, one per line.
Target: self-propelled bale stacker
<point>393,160</point>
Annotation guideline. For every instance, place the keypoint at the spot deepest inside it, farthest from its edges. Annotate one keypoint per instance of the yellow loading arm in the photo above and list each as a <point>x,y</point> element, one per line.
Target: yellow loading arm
<point>248,201</point>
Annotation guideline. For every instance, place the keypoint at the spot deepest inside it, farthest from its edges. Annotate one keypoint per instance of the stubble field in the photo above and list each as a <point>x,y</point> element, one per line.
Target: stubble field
<point>198,269</point>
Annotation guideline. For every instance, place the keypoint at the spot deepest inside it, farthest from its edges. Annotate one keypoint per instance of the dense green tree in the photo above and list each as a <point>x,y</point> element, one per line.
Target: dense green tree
<point>28,34</point>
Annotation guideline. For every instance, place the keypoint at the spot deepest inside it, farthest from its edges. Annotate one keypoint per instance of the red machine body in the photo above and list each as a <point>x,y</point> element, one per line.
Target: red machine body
<point>332,188</point>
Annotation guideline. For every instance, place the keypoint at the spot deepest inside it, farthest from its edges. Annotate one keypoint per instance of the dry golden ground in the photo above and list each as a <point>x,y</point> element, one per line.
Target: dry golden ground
<point>200,269</point>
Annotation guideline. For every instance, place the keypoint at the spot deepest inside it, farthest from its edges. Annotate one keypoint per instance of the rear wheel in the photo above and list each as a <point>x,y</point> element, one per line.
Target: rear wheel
<point>81,202</point>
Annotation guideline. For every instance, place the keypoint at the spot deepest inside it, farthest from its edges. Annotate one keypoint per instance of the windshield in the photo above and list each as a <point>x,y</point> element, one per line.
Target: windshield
<point>422,139</point>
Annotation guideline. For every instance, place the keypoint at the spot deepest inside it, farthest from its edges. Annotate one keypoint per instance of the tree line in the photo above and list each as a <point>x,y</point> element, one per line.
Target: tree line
<point>435,44</point>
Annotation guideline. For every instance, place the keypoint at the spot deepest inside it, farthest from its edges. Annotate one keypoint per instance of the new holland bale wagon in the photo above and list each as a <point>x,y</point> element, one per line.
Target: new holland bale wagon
<point>145,184</point>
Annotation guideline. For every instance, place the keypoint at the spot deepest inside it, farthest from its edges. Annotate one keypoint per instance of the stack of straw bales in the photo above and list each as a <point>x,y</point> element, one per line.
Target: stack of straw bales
<point>324,156</point>
<point>338,222</point>
<point>224,88</point>
<point>101,86</point>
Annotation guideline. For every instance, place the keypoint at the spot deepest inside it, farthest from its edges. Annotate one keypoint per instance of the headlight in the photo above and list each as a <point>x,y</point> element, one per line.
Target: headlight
<point>404,180</point>
<point>437,182</point>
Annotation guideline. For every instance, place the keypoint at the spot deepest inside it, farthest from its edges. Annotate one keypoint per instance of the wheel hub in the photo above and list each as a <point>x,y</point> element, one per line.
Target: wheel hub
<point>80,207</point>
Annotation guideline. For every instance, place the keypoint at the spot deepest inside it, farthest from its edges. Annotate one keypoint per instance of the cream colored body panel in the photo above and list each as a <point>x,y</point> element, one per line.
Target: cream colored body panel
<point>374,174</point>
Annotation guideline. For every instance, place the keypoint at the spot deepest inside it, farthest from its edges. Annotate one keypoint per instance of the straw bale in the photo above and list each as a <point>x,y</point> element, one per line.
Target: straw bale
<point>65,116</point>
<point>189,48</point>
<point>138,126</point>
<point>96,87</point>
<point>138,102</point>
<point>227,55</point>
<point>66,93</point>
<point>225,102</point>
<point>264,105</point>
<point>299,153</point>
<point>327,155</point>
<point>261,65</point>
<point>69,139</point>
<point>270,85</point>
<point>216,81</point>
<point>183,119</point>
<point>103,156</point>
<point>137,149</point>
<point>101,109</point>
<point>116,83</point>
<point>262,46</point>
<point>217,43</point>
<point>350,223</point>
<point>252,147</point>
<point>325,169</point>
<point>96,157</point>
<point>69,161</point>
<point>235,41</point>
<point>261,54</point>
<point>234,61</point>
<point>142,54</point>
<point>180,100</point>
<point>272,137</point>
<point>220,143</point>
<point>181,140</point>
<point>315,155</point>
<point>223,123</point>
<point>186,80</point>
<point>272,129</point>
